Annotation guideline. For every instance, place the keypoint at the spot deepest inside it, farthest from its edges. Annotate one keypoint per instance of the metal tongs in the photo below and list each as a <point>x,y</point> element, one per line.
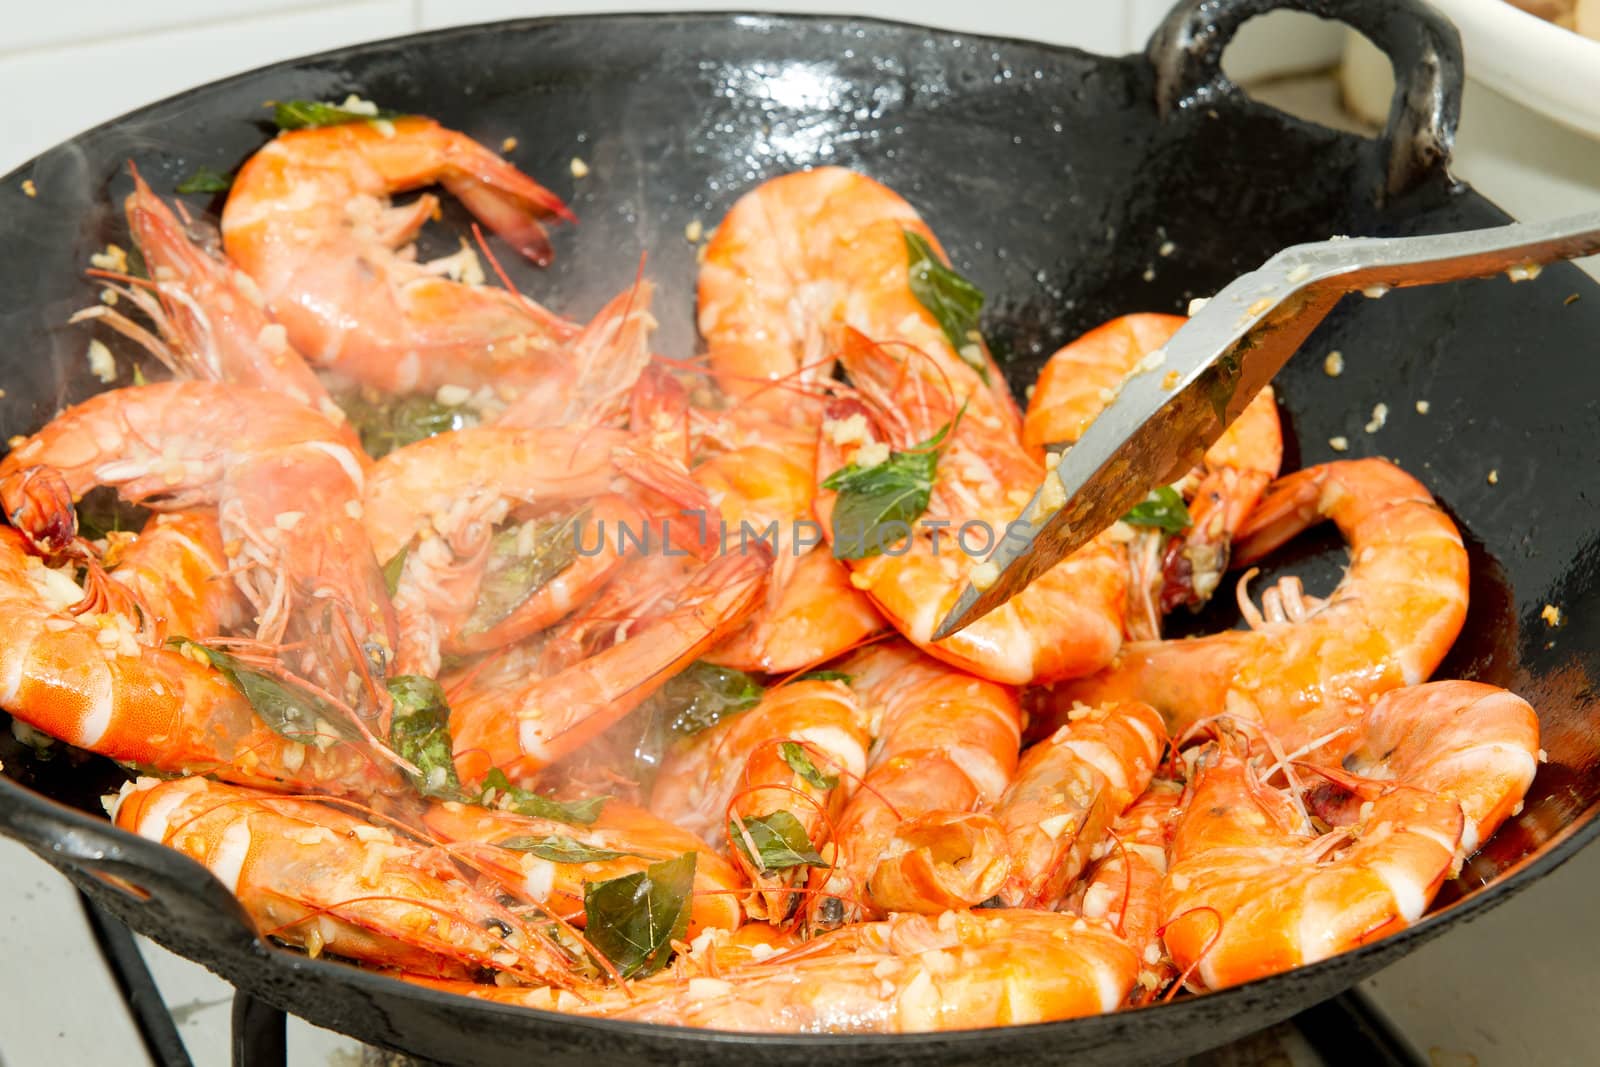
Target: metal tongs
<point>1180,400</point>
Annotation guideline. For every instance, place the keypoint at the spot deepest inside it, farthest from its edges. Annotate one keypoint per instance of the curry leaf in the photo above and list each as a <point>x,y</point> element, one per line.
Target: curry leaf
<point>558,848</point>
<point>953,301</point>
<point>387,423</point>
<point>825,676</point>
<point>287,709</point>
<point>394,568</point>
<point>308,114</point>
<point>520,564</point>
<point>876,505</point>
<point>206,180</point>
<point>500,793</point>
<point>1162,509</point>
<point>779,839</point>
<point>420,732</point>
<point>702,695</point>
<point>634,919</point>
<point>799,762</point>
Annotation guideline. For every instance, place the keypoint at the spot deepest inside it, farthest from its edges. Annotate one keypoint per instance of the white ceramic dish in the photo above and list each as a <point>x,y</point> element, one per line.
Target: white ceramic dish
<point>1541,65</point>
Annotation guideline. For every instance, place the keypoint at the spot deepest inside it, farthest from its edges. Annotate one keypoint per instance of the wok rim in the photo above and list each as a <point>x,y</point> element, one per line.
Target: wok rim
<point>1579,832</point>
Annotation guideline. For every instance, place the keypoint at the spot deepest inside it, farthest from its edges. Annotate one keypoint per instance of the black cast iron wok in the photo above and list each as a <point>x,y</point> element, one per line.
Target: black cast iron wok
<point>1071,187</point>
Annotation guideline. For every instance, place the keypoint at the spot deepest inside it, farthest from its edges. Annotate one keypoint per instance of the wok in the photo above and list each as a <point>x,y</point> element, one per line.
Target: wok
<point>1070,187</point>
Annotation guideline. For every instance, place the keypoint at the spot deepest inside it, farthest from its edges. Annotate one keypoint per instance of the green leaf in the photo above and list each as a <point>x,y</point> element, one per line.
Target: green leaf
<point>101,511</point>
<point>702,695</point>
<point>799,762</point>
<point>288,710</point>
<point>511,575</point>
<point>953,301</point>
<point>895,491</point>
<point>419,731</point>
<point>1162,509</point>
<point>825,676</point>
<point>633,920</point>
<point>385,423</point>
<point>394,568</point>
<point>500,793</point>
<point>206,180</point>
<point>558,848</point>
<point>308,114</point>
<point>779,839</point>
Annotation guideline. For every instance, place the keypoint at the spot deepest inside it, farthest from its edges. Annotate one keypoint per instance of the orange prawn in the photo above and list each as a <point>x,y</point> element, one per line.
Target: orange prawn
<point>1251,890</point>
<point>1309,669</point>
<point>1066,624</point>
<point>1074,387</point>
<point>309,218</point>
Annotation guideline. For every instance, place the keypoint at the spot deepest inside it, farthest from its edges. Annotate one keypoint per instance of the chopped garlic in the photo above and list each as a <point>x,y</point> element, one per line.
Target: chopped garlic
<point>1196,304</point>
<point>1551,615</point>
<point>1524,272</point>
<point>1333,363</point>
<point>453,396</point>
<point>1152,359</point>
<point>871,454</point>
<point>1339,444</point>
<point>1149,274</point>
<point>580,169</point>
<point>113,259</point>
<point>28,188</point>
<point>1299,274</point>
<point>694,231</point>
<point>101,363</point>
<point>984,575</point>
<point>509,144</point>
<point>1380,415</point>
<point>1494,477</point>
<point>846,431</point>
<point>1166,249</point>
<point>357,106</point>
<point>1374,292</point>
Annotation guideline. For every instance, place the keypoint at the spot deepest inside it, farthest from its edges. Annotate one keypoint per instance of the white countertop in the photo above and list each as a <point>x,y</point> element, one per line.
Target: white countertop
<point>1511,988</point>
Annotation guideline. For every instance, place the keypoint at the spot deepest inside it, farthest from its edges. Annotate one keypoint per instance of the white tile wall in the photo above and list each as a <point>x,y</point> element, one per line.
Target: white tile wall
<point>67,66</point>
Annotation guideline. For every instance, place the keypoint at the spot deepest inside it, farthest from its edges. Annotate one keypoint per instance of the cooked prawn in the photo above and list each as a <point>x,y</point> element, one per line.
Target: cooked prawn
<point>1124,887</point>
<point>1310,669</point>
<point>524,728</point>
<point>209,318</point>
<point>906,974</point>
<point>288,495</point>
<point>1066,624</point>
<point>93,679</point>
<point>811,612</point>
<point>309,219</point>
<point>594,379</point>
<point>1068,790</point>
<point>177,566</point>
<point>801,257</point>
<point>1251,891</point>
<point>324,879</point>
<point>1074,387</point>
<point>718,781</point>
<point>622,840</point>
<point>946,742</point>
<point>1466,741</point>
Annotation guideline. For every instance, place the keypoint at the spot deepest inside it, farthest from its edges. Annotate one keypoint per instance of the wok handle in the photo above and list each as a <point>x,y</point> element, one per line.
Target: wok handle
<point>148,886</point>
<point>1424,47</point>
